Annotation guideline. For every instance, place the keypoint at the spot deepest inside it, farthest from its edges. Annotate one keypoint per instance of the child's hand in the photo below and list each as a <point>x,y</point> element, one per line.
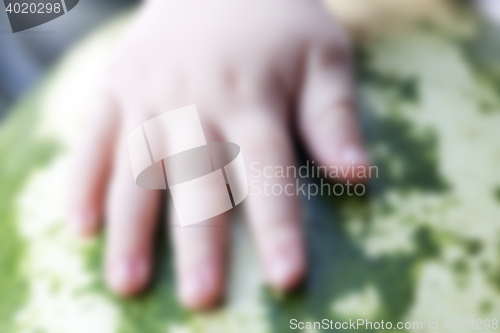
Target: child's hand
<point>253,69</point>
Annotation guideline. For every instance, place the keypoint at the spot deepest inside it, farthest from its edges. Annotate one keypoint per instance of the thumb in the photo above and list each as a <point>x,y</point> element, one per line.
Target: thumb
<point>327,117</point>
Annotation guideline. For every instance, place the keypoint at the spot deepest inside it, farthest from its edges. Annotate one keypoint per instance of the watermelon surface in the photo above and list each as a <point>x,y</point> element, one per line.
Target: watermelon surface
<point>422,244</point>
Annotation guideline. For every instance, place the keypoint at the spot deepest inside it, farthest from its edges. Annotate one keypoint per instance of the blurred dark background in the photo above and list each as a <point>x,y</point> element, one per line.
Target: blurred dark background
<point>24,56</point>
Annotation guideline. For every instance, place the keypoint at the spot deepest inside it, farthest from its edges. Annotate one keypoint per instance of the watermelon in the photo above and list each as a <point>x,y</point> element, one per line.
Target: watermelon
<point>421,246</point>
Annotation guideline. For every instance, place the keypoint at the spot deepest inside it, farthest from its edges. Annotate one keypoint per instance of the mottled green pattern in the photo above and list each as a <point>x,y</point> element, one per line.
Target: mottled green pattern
<point>20,155</point>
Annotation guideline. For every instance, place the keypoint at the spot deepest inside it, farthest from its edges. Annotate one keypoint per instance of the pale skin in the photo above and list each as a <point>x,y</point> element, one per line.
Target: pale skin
<point>255,70</point>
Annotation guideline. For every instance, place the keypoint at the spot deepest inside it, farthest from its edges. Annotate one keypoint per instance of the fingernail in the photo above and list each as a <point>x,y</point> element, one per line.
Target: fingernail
<point>120,273</point>
<point>198,288</point>
<point>83,221</point>
<point>191,287</point>
<point>282,269</point>
<point>354,155</point>
<point>128,275</point>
